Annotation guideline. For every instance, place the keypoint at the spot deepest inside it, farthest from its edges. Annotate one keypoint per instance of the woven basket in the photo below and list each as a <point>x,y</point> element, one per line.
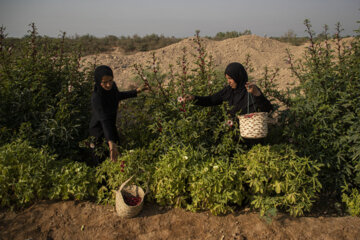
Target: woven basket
<point>124,210</point>
<point>254,125</point>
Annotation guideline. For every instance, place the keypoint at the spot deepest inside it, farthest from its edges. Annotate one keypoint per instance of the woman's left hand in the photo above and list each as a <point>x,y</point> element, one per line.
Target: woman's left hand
<point>253,89</point>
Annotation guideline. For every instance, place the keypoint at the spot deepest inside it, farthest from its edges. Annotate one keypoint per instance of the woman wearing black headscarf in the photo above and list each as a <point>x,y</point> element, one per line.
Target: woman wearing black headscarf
<point>104,104</point>
<point>236,94</point>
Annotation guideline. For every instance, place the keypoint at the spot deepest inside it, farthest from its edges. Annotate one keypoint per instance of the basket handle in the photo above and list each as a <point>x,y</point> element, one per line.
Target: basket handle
<point>248,103</point>
<point>126,182</point>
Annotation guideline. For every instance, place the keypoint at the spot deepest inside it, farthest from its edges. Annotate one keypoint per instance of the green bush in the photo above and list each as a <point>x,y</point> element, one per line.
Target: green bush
<point>217,185</point>
<point>324,117</point>
<point>171,175</point>
<point>24,174</point>
<point>29,174</point>
<point>352,201</point>
<point>45,96</point>
<point>73,180</point>
<point>278,178</point>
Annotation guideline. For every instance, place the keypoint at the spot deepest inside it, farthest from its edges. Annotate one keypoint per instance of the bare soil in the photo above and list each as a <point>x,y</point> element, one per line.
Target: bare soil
<point>86,220</point>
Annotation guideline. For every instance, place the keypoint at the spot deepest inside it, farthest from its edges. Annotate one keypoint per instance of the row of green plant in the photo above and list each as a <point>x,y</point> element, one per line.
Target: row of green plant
<point>188,156</point>
<point>265,177</point>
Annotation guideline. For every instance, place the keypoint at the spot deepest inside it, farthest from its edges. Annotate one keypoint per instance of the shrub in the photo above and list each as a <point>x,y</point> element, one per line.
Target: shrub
<point>352,201</point>
<point>24,176</point>
<point>278,178</point>
<point>73,180</point>
<point>171,175</point>
<point>216,184</point>
<point>45,96</point>
<point>324,115</point>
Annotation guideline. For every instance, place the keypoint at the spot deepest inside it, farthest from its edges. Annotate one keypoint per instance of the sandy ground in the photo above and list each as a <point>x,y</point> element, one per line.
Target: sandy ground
<point>86,220</point>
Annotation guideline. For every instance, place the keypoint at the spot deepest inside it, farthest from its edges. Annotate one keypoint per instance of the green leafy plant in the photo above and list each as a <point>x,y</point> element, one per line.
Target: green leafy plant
<point>73,180</point>
<point>24,174</point>
<point>216,185</point>
<point>278,178</point>
<point>323,121</point>
<point>169,184</point>
<point>45,96</point>
<point>352,201</point>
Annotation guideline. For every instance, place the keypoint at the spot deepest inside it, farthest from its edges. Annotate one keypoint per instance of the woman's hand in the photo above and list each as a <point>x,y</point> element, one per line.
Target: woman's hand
<point>114,153</point>
<point>253,89</point>
<point>143,88</point>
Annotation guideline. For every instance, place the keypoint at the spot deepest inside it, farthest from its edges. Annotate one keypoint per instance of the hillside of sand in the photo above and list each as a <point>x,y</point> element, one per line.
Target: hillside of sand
<point>264,52</point>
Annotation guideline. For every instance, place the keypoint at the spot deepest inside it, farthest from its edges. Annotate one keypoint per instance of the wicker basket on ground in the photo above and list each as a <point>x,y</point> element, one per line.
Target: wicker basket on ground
<point>129,200</point>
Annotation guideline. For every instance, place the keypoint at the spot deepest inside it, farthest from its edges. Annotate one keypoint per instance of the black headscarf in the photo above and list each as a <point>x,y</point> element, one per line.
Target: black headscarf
<point>237,72</point>
<point>238,98</point>
<point>101,71</point>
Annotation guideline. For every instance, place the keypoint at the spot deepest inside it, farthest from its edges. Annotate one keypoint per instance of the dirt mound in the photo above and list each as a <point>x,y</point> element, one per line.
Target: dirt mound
<point>263,52</point>
<point>85,220</point>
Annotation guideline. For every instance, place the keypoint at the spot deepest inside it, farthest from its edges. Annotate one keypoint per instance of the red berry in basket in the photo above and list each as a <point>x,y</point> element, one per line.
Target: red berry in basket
<point>132,201</point>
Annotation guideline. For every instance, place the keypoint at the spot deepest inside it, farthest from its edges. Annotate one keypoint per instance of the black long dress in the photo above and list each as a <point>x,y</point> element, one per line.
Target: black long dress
<point>104,104</point>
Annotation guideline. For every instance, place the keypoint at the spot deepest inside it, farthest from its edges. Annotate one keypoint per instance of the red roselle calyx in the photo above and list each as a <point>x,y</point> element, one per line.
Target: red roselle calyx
<point>122,165</point>
<point>249,115</point>
<point>132,201</point>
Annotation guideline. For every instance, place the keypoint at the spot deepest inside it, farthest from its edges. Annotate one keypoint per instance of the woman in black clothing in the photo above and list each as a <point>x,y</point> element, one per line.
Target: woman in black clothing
<point>236,94</point>
<point>104,104</point>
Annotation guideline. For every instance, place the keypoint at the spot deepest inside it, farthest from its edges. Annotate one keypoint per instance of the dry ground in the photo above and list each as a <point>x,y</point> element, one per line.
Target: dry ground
<point>86,220</point>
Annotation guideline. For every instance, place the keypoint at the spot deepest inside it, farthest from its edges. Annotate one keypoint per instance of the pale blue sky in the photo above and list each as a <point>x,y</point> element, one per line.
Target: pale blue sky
<point>178,18</point>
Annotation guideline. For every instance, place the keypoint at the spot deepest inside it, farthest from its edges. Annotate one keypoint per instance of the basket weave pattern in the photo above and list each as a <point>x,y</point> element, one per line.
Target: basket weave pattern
<point>124,210</point>
<point>254,125</point>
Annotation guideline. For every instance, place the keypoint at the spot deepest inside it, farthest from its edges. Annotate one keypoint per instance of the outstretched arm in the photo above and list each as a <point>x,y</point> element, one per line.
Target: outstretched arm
<point>205,101</point>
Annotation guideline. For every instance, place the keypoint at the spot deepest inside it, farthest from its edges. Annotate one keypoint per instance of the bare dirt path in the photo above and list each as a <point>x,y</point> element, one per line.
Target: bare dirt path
<point>86,220</point>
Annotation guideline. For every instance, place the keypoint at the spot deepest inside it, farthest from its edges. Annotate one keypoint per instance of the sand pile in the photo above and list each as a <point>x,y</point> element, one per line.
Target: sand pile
<point>263,52</point>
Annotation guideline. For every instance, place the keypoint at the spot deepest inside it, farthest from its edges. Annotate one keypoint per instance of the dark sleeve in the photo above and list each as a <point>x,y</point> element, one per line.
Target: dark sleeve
<point>126,94</point>
<point>263,103</point>
<point>212,100</point>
